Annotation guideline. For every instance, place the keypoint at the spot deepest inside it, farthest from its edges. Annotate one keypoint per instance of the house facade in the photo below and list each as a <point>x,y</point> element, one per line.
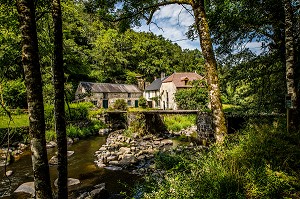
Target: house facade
<point>172,84</point>
<point>104,95</point>
<point>152,93</point>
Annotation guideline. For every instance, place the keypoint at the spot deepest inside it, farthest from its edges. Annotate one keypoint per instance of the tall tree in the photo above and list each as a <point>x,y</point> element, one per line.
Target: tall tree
<point>59,104</point>
<point>292,115</point>
<point>30,60</point>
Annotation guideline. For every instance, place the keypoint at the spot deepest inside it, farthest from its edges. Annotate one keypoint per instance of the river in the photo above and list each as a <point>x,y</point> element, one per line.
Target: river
<point>80,165</point>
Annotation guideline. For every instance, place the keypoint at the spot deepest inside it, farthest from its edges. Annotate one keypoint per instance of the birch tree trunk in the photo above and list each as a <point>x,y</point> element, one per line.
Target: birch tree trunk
<point>30,60</point>
<point>59,110</point>
<point>293,112</point>
<point>219,121</point>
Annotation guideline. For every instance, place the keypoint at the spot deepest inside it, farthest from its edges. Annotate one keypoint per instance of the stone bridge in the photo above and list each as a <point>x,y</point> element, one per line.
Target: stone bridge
<point>152,121</point>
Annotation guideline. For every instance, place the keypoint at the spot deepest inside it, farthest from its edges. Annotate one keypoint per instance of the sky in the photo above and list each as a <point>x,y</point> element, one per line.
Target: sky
<point>172,22</point>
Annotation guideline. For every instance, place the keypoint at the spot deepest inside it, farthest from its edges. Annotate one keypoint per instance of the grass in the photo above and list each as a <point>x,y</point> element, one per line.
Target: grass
<point>179,122</point>
<point>262,161</point>
<point>18,121</point>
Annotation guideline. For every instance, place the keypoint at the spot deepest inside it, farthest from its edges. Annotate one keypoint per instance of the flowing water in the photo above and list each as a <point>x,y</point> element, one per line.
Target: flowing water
<point>81,166</point>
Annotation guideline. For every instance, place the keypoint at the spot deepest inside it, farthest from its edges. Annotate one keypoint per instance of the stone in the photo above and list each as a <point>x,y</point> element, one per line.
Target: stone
<point>100,192</point>
<point>124,150</point>
<point>71,182</point>
<point>114,162</point>
<point>103,132</point>
<point>111,158</point>
<point>102,148</point>
<point>128,159</point>
<point>53,160</point>
<point>167,142</point>
<point>69,153</point>
<point>83,195</point>
<point>9,173</point>
<point>113,168</point>
<point>69,141</point>
<point>101,165</point>
<point>27,187</point>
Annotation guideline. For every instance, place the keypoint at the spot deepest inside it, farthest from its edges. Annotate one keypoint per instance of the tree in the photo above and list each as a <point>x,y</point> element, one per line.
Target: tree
<point>30,60</point>
<point>293,111</point>
<point>59,103</point>
<point>194,98</point>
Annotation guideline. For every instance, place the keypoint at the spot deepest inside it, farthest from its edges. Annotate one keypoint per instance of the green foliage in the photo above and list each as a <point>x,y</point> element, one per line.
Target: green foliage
<point>194,98</point>
<point>95,113</point>
<point>120,104</point>
<point>179,122</point>
<point>14,93</point>
<point>260,162</point>
<point>142,102</point>
<point>74,131</point>
<point>74,112</point>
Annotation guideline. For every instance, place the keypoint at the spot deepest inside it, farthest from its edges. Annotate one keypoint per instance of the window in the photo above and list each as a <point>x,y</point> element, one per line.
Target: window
<point>149,95</point>
<point>129,102</point>
<point>129,95</point>
<point>95,102</point>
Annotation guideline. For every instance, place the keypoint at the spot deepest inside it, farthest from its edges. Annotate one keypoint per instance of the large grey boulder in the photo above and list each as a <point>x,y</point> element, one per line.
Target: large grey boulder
<point>27,187</point>
<point>71,182</point>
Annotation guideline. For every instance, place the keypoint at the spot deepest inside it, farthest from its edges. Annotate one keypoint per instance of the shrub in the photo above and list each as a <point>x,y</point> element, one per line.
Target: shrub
<point>120,104</point>
<point>14,93</point>
<point>142,102</point>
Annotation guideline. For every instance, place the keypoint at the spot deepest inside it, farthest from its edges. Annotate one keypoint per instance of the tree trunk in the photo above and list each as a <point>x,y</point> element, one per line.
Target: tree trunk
<point>30,60</point>
<point>58,81</point>
<point>292,113</point>
<point>219,122</point>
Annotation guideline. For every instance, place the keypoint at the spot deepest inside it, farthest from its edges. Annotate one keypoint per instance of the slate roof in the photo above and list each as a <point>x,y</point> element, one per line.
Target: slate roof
<point>155,85</point>
<point>179,79</point>
<point>109,88</point>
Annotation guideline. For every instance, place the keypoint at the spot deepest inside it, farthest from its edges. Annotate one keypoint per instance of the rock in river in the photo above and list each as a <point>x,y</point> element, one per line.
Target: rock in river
<point>71,181</point>
<point>27,187</point>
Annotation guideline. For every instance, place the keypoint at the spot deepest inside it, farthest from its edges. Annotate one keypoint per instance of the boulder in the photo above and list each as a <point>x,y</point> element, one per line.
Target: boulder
<point>9,173</point>
<point>100,192</point>
<point>27,187</point>
<point>113,168</point>
<point>71,182</point>
<point>53,160</point>
<point>69,153</point>
<point>128,159</point>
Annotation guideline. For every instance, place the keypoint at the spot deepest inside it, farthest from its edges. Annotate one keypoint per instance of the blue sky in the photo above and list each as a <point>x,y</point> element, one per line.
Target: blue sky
<point>172,22</point>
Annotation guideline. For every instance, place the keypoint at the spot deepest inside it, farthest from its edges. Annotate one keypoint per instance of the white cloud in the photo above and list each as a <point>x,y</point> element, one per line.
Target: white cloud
<point>173,22</point>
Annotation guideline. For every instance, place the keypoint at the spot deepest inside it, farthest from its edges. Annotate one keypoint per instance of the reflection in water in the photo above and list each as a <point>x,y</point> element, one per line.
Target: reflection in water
<point>81,166</point>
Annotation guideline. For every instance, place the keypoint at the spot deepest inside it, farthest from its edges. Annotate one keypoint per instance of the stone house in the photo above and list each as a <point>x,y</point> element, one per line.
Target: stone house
<point>173,83</point>
<point>105,94</point>
<point>152,93</point>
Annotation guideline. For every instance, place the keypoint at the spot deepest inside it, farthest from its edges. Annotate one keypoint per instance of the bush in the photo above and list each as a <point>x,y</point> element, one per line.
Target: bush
<point>120,104</point>
<point>142,102</point>
<point>261,162</point>
<point>74,112</point>
<point>14,93</point>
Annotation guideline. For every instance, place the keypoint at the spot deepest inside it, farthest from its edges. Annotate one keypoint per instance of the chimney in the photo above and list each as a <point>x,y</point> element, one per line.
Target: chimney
<point>141,82</point>
<point>162,75</point>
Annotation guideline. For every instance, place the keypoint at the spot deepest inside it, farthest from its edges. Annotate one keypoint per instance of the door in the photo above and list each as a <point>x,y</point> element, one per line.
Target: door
<point>136,103</point>
<point>105,103</point>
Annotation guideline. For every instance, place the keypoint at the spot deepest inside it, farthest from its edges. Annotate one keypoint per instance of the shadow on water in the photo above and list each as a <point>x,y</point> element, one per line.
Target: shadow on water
<point>81,166</point>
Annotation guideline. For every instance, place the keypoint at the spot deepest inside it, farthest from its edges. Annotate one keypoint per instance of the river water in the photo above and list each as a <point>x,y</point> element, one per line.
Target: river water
<point>80,166</point>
